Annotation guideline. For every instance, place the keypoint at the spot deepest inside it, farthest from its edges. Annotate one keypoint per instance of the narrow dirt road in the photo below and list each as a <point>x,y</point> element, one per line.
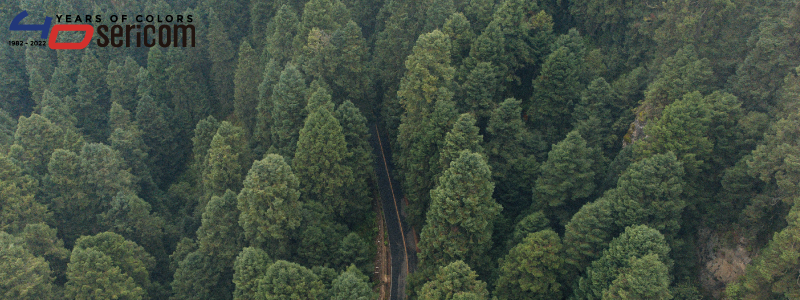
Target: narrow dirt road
<point>391,197</point>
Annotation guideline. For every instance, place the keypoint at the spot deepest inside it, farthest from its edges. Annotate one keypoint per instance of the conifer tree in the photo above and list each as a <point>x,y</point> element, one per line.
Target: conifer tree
<point>126,138</point>
<point>593,117</point>
<point>203,134</point>
<point>270,210</point>
<point>41,241</point>
<point>120,78</point>
<point>356,135</point>
<point>222,52</point>
<point>262,134</point>
<point>17,203</point>
<point>637,242</point>
<point>557,90</point>
<point>462,213</point>
<point>105,262</point>
<point>35,140</point>
<point>458,28</point>
<point>7,127</point>
<point>531,223</point>
<point>24,275</point>
<point>351,284</point>
<point>524,45</point>
<point>249,267</point>
<point>227,156</point>
<point>157,79</point>
<point>320,162</point>
<point>464,136</point>
<point>164,153</point>
<point>351,76</point>
<point>279,41</point>
<point>531,269</point>
<point>285,279</point>
<point>288,103</point>
<point>246,81</point>
<point>646,278</point>
<point>481,90</point>
<point>453,281</point>
<point>567,177</point>
<point>510,148</point>
<point>436,14</point>
<point>426,87</point>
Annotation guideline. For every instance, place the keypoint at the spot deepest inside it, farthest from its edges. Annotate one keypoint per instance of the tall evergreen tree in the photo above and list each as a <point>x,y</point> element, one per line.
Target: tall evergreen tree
<point>531,269</point>
<point>320,162</point>
<point>120,78</point>
<point>351,284</point>
<point>270,210</point>
<point>462,213</point>
<point>286,280</point>
<point>246,81</point>
<point>567,177</point>
<point>24,275</point>
<point>281,33</point>
<point>227,157</point>
<point>638,242</point>
<point>249,267</point>
<point>17,203</point>
<point>453,281</point>
<point>356,135</point>
<point>464,136</point>
<point>426,86</point>
<point>510,148</point>
<point>288,103</point>
<point>262,134</point>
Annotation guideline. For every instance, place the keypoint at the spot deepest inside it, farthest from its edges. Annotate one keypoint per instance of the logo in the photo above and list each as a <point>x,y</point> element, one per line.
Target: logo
<point>115,35</point>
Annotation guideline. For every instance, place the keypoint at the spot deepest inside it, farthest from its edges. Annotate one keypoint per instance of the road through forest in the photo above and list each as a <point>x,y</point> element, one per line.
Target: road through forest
<point>390,198</point>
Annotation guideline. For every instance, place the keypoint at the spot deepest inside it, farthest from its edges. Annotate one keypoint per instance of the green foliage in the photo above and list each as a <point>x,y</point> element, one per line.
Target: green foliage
<point>288,103</point>
<point>351,284</point>
<point>356,134</point>
<point>510,150</point>
<point>227,157</point>
<point>527,30</point>
<point>262,134</point>
<point>556,91</point>
<point>461,216</point>
<point>270,210</point>
<point>37,138</point>
<point>320,162</point>
<point>775,161</point>
<point>531,268</point>
<point>645,278</point>
<point>425,93</point>
<point>593,116</point>
<point>453,281</point>
<point>249,267</point>
<point>246,81</point>
<point>481,89</point>
<point>771,274</point>
<point>567,176</point>
<point>457,27</point>
<point>286,280</point>
<point>120,78</point>
<point>23,275</point>
<point>464,136</point>
<point>679,74</point>
<point>18,206</point>
<point>529,224</point>
<point>280,35</point>
<point>617,273</point>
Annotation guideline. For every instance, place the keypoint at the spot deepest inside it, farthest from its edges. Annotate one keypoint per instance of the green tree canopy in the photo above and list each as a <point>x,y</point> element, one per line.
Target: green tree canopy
<point>531,269</point>
<point>454,281</point>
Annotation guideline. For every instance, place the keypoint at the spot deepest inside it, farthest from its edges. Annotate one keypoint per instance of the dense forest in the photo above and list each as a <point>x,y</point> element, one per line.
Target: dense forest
<point>550,149</point>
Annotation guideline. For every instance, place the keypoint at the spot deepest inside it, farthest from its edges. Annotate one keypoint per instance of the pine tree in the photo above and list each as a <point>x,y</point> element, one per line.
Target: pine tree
<point>464,136</point>
<point>462,212</point>
<point>41,241</point>
<point>222,52</point>
<point>459,29</point>
<point>270,210</point>
<point>262,134</point>
<point>227,157</point>
<point>246,81</point>
<point>351,284</point>
<point>288,103</point>
<point>320,162</point>
<point>351,75</point>
<point>356,135</point>
<point>7,127</point>
<point>530,270</point>
<point>638,242</point>
<point>593,117</point>
<point>17,203</point>
<point>524,45</point>
<point>120,78</point>
<point>567,177</point>
<point>426,87</point>
<point>112,252</point>
<point>481,90</point>
<point>452,281</point>
<point>510,148</point>
<point>220,239</point>
<point>35,140</point>
<point>646,278</point>
<point>249,267</point>
<point>164,154</point>
<point>24,275</point>
<point>126,138</point>
<point>437,13</point>
<point>557,90</point>
<point>529,224</point>
<point>157,79</point>
<point>280,36</point>
<point>289,280</point>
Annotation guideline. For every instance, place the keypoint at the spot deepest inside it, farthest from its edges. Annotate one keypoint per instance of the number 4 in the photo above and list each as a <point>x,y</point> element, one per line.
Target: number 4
<point>16,26</point>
